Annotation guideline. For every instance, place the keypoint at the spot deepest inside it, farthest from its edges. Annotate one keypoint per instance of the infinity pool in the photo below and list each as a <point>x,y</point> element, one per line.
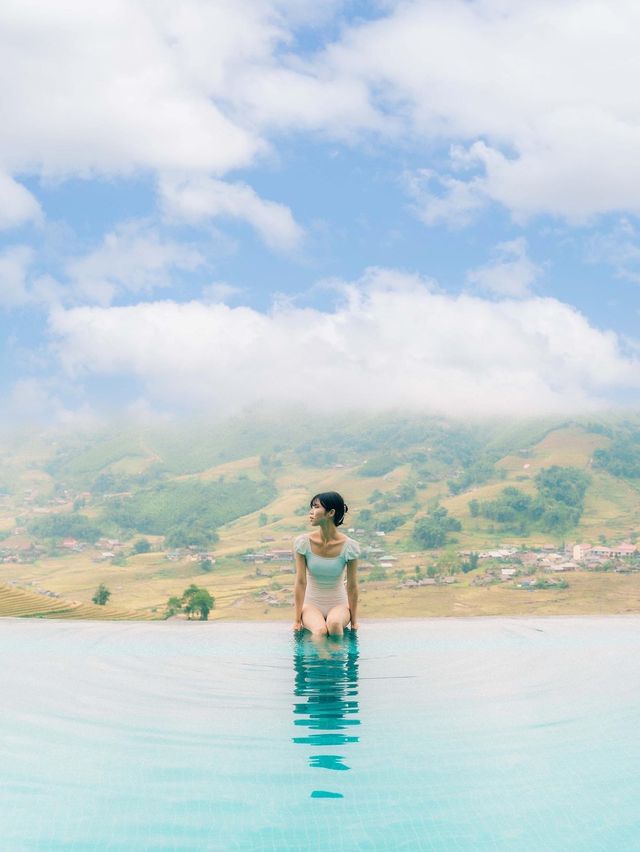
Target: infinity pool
<point>443,734</point>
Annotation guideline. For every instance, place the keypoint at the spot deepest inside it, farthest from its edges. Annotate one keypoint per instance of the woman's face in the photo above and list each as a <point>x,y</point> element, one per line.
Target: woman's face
<point>318,513</point>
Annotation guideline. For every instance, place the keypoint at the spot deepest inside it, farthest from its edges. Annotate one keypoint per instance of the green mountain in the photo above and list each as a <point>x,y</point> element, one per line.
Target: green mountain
<point>193,482</point>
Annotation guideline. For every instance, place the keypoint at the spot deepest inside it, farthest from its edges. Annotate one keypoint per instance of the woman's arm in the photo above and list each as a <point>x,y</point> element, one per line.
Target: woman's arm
<point>352,591</point>
<point>299,589</point>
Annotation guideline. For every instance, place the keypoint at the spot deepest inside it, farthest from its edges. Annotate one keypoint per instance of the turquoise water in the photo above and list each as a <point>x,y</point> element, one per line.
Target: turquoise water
<point>452,734</point>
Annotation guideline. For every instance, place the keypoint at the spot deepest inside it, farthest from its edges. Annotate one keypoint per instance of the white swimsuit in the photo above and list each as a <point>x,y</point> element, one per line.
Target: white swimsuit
<point>326,574</point>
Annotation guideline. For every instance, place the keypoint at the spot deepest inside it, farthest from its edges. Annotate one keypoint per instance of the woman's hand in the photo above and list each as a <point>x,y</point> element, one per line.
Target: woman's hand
<point>297,624</point>
<point>354,625</point>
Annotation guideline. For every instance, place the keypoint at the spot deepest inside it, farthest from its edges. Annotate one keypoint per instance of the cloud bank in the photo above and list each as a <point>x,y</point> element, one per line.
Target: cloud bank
<point>394,341</point>
<point>201,88</point>
<point>535,98</point>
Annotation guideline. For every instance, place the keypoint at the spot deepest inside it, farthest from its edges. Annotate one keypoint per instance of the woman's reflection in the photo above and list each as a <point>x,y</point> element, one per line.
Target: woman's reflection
<point>326,676</point>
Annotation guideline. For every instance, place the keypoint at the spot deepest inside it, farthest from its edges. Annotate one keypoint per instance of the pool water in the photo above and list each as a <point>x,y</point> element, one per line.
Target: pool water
<point>443,734</point>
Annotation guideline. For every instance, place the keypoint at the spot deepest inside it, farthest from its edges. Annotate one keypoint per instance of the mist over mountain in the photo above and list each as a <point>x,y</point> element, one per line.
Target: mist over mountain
<point>435,459</point>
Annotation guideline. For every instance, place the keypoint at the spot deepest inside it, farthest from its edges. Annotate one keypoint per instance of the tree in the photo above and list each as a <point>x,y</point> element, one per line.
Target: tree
<point>563,484</point>
<point>142,545</point>
<point>189,535</point>
<point>263,519</point>
<point>174,605</point>
<point>379,464</point>
<point>431,531</point>
<point>203,603</point>
<point>391,523</point>
<point>556,509</point>
<point>622,458</point>
<point>470,564</point>
<point>197,600</point>
<point>188,508</point>
<point>206,565</point>
<point>378,573</point>
<point>65,525</point>
<point>102,595</point>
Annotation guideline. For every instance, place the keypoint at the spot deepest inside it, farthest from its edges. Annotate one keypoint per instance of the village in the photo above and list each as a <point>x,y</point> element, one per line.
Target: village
<point>505,561</point>
<point>507,564</point>
<point>385,558</point>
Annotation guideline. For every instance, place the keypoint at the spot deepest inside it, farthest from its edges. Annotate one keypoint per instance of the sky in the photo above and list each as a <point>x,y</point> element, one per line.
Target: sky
<point>216,204</point>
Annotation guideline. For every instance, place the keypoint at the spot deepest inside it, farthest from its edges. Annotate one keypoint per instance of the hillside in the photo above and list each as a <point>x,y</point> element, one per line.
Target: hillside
<point>149,511</point>
<point>20,603</point>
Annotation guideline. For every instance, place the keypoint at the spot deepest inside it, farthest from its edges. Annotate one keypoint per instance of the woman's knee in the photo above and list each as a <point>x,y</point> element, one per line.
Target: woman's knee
<point>318,629</point>
<point>334,625</point>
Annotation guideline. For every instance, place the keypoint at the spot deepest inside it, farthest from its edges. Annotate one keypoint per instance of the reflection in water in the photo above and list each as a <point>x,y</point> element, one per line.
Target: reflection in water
<point>326,675</point>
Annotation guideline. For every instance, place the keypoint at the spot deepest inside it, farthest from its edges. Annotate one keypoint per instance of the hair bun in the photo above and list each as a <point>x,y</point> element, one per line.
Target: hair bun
<point>346,508</point>
<point>332,502</point>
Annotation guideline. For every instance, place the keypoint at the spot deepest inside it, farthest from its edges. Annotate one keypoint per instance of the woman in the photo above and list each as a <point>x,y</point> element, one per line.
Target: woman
<point>322,603</point>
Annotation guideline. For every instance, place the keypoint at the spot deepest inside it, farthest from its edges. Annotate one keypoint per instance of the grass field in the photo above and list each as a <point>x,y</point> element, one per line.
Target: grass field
<point>143,592</point>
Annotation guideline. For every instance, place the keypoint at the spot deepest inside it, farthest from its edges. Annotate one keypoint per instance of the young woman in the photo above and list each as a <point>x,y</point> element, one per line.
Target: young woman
<point>323,557</point>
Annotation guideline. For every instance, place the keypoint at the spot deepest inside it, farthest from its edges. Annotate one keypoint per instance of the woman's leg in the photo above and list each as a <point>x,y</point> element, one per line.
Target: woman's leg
<point>337,619</point>
<point>313,620</point>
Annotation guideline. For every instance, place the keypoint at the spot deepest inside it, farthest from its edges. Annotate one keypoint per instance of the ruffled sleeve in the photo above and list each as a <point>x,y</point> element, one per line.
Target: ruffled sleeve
<point>352,550</point>
<point>301,544</point>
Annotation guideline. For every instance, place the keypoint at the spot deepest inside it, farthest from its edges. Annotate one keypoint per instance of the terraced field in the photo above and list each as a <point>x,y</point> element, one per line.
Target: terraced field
<point>23,604</point>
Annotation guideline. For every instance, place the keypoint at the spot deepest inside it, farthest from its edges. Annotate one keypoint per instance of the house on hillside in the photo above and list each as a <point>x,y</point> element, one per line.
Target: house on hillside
<point>499,553</point>
<point>624,549</point>
<point>562,566</point>
<point>280,555</point>
<point>580,551</point>
<point>104,556</point>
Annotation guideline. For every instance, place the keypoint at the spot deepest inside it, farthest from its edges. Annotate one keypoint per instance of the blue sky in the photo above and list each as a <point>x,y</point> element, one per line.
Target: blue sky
<point>211,204</point>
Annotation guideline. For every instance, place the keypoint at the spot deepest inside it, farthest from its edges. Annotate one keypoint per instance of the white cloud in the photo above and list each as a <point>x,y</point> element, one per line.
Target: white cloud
<point>188,87</point>
<point>618,248</point>
<point>541,93</point>
<point>393,342</point>
<point>14,265</point>
<point>219,291</point>
<point>36,400</point>
<point>130,89</point>
<point>200,198</point>
<point>312,98</point>
<point>510,273</point>
<point>17,204</point>
<point>440,198</point>
<point>191,89</point>
<point>133,258</point>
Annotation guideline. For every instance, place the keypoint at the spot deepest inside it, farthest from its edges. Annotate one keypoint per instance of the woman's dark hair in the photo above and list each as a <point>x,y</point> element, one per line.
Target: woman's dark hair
<point>332,500</point>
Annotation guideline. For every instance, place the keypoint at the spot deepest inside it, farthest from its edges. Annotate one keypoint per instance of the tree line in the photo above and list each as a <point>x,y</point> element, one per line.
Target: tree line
<point>556,508</point>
